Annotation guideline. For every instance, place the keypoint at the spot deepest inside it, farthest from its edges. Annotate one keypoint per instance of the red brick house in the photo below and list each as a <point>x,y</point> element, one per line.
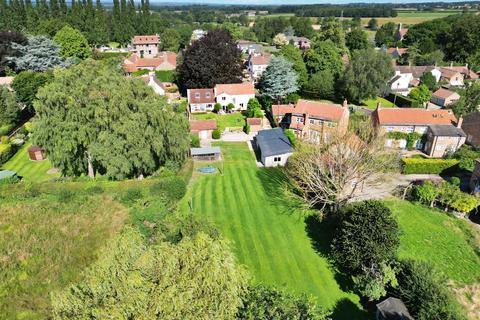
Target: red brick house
<point>146,46</point>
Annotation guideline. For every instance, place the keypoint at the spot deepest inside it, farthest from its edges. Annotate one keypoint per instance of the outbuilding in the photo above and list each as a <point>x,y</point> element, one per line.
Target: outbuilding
<point>8,175</point>
<point>205,154</point>
<point>273,147</point>
<point>203,128</point>
<point>36,153</point>
<point>444,139</point>
<point>392,309</point>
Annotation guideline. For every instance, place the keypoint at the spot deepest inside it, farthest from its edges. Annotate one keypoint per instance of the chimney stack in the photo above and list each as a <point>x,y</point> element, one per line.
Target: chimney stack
<point>460,121</point>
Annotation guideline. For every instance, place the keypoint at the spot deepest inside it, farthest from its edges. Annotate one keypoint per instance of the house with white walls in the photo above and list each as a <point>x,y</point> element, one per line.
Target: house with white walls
<point>237,94</point>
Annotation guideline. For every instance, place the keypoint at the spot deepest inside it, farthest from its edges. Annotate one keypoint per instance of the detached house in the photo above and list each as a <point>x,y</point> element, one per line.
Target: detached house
<point>201,100</point>
<point>163,61</point>
<point>452,77</point>
<point>444,97</point>
<point>301,43</point>
<point>400,83</point>
<point>237,94</point>
<point>397,52</point>
<point>311,120</point>
<point>440,128</point>
<point>257,64</point>
<point>145,46</point>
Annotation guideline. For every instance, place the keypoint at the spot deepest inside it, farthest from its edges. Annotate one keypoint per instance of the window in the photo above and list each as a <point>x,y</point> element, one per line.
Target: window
<point>277,159</point>
<point>224,98</point>
<point>312,121</point>
<point>207,94</point>
<point>197,95</point>
<point>299,120</point>
<point>241,105</point>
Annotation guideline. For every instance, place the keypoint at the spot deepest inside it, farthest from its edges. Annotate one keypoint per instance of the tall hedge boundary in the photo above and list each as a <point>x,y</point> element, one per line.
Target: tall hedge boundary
<point>427,166</point>
<point>6,152</point>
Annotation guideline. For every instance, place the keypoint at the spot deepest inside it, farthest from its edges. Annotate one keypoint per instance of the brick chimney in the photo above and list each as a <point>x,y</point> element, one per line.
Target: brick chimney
<point>460,122</point>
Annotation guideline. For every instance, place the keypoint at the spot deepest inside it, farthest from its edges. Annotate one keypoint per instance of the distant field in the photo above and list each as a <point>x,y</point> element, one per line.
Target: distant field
<point>413,17</point>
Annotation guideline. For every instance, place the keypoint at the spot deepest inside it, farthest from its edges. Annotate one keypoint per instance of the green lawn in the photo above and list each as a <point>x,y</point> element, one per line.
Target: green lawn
<point>269,235</point>
<point>34,171</point>
<point>231,120</point>
<point>372,103</point>
<point>433,236</point>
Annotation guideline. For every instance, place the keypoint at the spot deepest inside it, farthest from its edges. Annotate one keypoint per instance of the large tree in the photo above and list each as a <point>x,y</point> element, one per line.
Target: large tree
<point>170,40</point>
<point>73,43</point>
<point>357,39</point>
<point>385,35</point>
<point>321,85</point>
<point>107,123</point>
<point>279,79</point>
<point>9,108</point>
<point>197,278</point>
<point>27,83</point>
<point>213,59</point>
<point>469,102</point>
<point>294,55</point>
<point>40,54</point>
<point>331,29</point>
<point>366,74</point>
<point>421,93</point>
<point>324,55</point>
<point>330,173</point>
<point>6,50</point>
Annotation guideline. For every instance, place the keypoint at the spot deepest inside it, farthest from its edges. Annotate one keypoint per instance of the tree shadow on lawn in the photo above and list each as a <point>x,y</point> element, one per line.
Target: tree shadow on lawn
<point>278,190</point>
<point>347,310</point>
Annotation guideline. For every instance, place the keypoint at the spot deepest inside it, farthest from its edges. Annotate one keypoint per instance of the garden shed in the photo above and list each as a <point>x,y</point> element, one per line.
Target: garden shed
<point>205,154</point>
<point>36,153</point>
<point>8,175</point>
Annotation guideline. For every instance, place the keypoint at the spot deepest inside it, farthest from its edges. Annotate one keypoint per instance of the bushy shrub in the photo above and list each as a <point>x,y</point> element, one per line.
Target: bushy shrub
<point>427,166</point>
<point>95,190</point>
<point>6,151</point>
<point>140,72</point>
<point>217,107</point>
<point>172,188</point>
<point>402,101</point>
<point>28,126</point>
<point>194,141</point>
<point>230,106</point>
<point>5,129</point>
<point>216,134</point>
<point>425,292</point>
<point>291,136</point>
<point>246,128</point>
<point>467,156</point>
<point>131,195</point>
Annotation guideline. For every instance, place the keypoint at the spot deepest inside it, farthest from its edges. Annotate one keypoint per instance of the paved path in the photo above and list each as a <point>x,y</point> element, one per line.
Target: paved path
<point>387,185</point>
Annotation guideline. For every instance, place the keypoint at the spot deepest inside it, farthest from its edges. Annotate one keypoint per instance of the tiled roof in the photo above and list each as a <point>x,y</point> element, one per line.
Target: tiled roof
<point>465,71</point>
<point>261,59</point>
<point>413,116</point>
<point>134,62</point>
<point>254,121</point>
<point>417,71</point>
<point>401,51</point>
<point>273,142</point>
<point>146,39</point>
<point>198,125</point>
<point>447,131</point>
<point>443,93</point>
<point>448,73</point>
<point>314,109</point>
<point>201,96</point>
<point>235,89</point>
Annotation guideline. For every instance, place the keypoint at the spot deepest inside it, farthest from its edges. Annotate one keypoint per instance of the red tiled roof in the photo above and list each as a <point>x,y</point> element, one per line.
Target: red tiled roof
<point>448,73</point>
<point>443,93</point>
<point>254,121</point>
<point>134,62</point>
<point>146,39</point>
<point>261,59</point>
<point>413,116</point>
<point>465,71</point>
<point>403,32</point>
<point>201,96</point>
<point>312,108</point>
<point>235,89</point>
<point>401,51</point>
<point>198,125</point>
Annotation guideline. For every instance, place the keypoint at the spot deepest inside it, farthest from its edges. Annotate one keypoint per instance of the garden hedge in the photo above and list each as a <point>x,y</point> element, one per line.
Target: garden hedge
<point>427,166</point>
<point>6,152</point>
<point>402,101</point>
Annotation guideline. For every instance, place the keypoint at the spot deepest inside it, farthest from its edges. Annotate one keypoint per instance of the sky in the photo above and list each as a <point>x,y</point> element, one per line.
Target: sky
<point>269,2</point>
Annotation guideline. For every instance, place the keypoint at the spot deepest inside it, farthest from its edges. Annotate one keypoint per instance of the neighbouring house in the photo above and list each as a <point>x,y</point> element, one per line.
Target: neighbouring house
<point>471,126</point>
<point>392,309</point>
<point>257,64</point>
<point>443,140</point>
<point>475,179</point>
<point>400,33</point>
<point>452,77</point>
<point>237,94</point>
<point>36,153</point>
<point>255,124</point>
<point>273,147</point>
<point>165,60</point>
<point>413,120</point>
<point>249,47</point>
<point>6,81</point>
<point>203,128</point>
<point>197,34</point>
<point>311,120</point>
<point>444,97</point>
<point>397,52</point>
<point>418,71</point>
<point>206,153</point>
<point>465,71</point>
<point>201,100</point>
<point>401,83</point>
<point>301,43</point>
<point>151,80</point>
<point>145,46</point>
